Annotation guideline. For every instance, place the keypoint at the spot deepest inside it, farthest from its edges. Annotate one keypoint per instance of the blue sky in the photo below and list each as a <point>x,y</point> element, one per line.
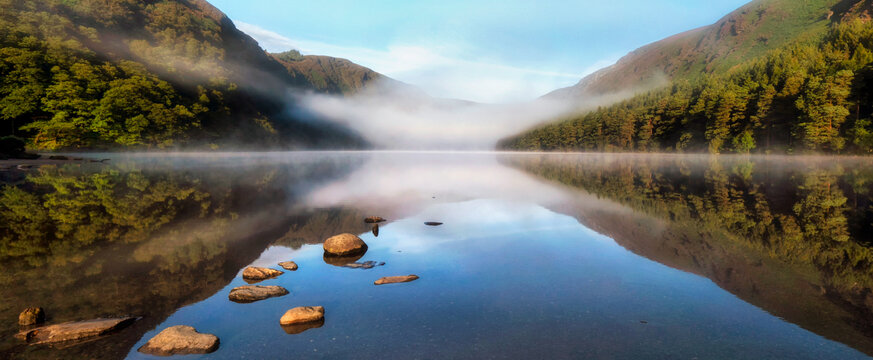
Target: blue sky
<point>487,51</point>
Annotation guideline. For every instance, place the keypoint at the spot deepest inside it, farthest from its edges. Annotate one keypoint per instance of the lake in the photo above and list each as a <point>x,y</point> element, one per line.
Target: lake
<point>558,256</point>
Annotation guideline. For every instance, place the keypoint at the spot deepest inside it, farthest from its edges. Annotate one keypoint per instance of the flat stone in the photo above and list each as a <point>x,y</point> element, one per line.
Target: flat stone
<point>363,265</point>
<point>180,339</point>
<point>259,273</point>
<point>396,279</point>
<point>344,244</point>
<point>433,223</point>
<point>252,293</point>
<point>31,316</point>
<point>75,330</point>
<point>303,314</point>
<point>288,265</point>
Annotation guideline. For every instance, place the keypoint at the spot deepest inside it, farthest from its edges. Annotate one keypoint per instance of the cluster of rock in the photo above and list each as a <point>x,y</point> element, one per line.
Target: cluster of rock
<point>341,250</point>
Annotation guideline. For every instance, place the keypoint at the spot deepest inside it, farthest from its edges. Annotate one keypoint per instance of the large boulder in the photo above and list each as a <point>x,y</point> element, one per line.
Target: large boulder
<point>252,293</point>
<point>31,316</point>
<point>344,245</point>
<point>396,279</point>
<point>303,314</point>
<point>71,331</point>
<point>374,219</point>
<point>254,273</point>
<point>180,339</point>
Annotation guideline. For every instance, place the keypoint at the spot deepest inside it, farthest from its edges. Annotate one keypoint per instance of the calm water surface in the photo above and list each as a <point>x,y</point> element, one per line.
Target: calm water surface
<point>540,256</point>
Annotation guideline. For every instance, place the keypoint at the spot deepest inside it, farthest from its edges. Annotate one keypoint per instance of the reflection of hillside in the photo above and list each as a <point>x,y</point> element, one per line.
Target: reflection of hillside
<point>131,241</point>
<point>752,228</point>
<point>313,226</point>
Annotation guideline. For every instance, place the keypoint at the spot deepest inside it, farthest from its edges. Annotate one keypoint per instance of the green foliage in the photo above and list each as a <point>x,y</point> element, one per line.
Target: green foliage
<point>126,73</point>
<point>289,56</point>
<point>805,97</point>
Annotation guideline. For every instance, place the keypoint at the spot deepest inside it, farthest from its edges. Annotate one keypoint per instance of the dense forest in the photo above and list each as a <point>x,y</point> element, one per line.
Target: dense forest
<point>145,74</point>
<point>812,96</point>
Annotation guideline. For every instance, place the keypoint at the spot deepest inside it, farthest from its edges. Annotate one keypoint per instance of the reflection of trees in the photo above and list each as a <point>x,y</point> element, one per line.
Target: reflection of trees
<point>138,239</point>
<point>64,212</point>
<point>809,223</point>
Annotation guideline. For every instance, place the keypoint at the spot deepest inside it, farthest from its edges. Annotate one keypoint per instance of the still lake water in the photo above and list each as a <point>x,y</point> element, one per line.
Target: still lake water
<point>558,256</point>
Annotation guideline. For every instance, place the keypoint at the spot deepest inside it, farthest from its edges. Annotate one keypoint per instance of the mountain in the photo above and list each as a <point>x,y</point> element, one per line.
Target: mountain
<point>748,32</point>
<point>145,74</point>
<point>773,77</point>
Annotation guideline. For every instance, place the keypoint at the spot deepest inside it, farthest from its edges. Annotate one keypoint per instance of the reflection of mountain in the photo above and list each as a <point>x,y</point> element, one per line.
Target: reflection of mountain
<point>783,239</point>
<point>133,240</point>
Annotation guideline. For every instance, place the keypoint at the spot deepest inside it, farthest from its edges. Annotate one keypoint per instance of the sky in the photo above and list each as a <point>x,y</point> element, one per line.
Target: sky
<point>480,50</point>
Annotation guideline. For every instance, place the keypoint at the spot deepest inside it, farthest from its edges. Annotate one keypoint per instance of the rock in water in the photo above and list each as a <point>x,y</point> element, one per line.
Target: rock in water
<point>180,339</point>
<point>288,265</point>
<point>71,331</point>
<point>433,223</point>
<point>303,314</point>
<point>374,220</point>
<point>344,245</point>
<point>252,293</point>
<point>363,265</point>
<point>376,230</point>
<point>259,273</point>
<point>396,279</point>
<point>31,316</point>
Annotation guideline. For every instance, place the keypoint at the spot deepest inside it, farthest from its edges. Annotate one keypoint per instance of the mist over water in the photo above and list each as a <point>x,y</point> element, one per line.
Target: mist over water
<point>398,116</point>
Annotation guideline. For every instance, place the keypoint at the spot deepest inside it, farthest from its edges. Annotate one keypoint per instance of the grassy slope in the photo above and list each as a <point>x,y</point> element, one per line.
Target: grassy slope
<point>748,32</point>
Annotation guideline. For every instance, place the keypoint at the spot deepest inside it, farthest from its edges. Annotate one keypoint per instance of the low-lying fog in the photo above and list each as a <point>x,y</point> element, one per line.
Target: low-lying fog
<point>399,116</point>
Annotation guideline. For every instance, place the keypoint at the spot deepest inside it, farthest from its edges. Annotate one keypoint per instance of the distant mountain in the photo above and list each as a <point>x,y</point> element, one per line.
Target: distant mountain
<point>775,76</point>
<point>748,32</point>
<point>145,74</point>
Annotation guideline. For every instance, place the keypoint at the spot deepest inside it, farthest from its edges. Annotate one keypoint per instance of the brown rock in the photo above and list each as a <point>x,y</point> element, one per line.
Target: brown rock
<point>259,273</point>
<point>74,330</point>
<point>344,245</point>
<point>31,316</point>
<point>252,293</point>
<point>374,219</point>
<point>341,260</point>
<point>303,314</point>
<point>180,340</point>
<point>288,265</point>
<point>396,279</point>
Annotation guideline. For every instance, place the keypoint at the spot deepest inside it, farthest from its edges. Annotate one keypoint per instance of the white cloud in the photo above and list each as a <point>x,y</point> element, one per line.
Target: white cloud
<point>441,71</point>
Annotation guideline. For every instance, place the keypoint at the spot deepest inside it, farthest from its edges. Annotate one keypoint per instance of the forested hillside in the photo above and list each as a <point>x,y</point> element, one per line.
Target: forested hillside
<point>810,96</point>
<point>144,74</point>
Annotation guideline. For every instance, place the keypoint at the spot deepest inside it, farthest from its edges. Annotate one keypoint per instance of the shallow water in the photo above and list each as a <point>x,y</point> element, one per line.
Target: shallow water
<point>539,256</point>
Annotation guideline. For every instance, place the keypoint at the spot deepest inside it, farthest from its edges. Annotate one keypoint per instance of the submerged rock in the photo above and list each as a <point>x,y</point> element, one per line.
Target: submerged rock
<point>58,157</point>
<point>396,279</point>
<point>76,330</point>
<point>433,223</point>
<point>31,316</point>
<point>252,293</point>
<point>376,230</point>
<point>180,339</point>
<point>259,273</point>
<point>363,265</point>
<point>344,244</point>
<point>299,328</point>
<point>374,219</point>
<point>288,265</point>
<point>303,314</point>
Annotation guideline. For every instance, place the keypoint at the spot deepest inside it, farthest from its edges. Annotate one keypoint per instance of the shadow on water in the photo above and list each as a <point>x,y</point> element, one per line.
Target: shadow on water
<point>792,236</point>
